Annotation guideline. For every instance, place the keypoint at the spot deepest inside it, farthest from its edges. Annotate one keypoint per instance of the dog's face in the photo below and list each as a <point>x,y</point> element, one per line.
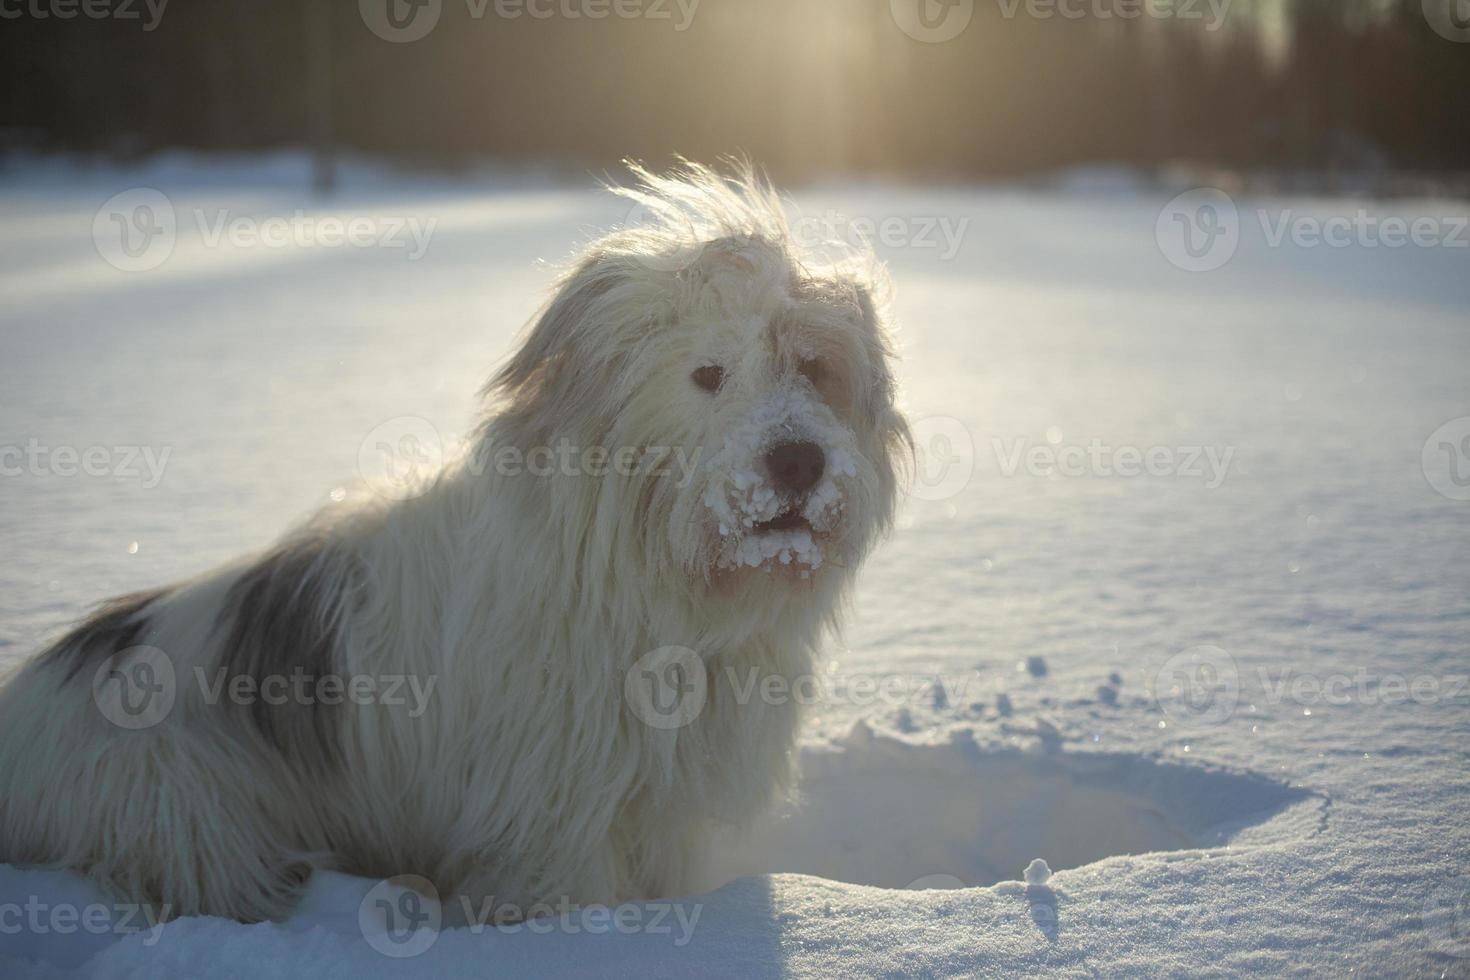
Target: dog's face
<point>762,385</point>
<point>779,381</point>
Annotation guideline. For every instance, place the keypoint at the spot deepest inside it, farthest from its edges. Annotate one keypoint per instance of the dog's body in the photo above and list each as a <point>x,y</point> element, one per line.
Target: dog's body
<point>514,607</point>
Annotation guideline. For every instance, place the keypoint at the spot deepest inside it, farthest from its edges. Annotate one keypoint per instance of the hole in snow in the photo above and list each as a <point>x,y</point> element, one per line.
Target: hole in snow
<point>887,813</point>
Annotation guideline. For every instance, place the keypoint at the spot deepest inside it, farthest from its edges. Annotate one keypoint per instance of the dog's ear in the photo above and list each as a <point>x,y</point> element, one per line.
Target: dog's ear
<point>880,394</point>
<point>877,390</point>
<point>567,332</point>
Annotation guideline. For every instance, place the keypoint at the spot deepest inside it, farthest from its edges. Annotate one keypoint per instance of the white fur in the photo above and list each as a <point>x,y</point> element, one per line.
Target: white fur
<point>527,599</point>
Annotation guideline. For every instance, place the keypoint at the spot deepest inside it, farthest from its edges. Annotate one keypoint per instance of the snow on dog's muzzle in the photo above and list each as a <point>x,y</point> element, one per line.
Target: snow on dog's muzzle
<point>775,487</point>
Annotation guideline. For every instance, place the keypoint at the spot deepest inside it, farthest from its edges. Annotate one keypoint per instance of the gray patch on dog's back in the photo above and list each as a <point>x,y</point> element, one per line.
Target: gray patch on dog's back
<point>115,625</point>
<point>283,624</point>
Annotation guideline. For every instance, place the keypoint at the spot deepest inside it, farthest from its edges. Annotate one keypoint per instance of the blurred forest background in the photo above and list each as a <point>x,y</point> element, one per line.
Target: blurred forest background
<point>806,87</point>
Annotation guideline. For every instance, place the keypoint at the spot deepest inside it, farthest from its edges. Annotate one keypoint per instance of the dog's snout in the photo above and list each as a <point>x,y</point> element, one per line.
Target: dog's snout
<point>796,466</point>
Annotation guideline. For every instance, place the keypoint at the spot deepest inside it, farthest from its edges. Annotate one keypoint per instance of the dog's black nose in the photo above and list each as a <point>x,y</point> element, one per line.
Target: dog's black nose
<point>796,466</point>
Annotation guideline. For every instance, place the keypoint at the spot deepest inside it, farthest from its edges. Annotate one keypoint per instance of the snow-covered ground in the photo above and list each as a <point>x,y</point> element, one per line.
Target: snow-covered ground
<point>1225,699</point>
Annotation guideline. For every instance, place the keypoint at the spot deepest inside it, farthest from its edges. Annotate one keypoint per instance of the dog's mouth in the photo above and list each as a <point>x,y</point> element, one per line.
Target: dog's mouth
<point>790,519</point>
<point>791,542</point>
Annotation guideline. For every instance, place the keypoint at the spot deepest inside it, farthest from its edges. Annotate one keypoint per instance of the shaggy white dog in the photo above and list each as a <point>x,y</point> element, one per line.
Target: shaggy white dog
<point>204,747</point>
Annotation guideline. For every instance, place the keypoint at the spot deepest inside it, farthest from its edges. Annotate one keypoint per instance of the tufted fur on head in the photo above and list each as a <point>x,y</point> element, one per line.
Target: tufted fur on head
<point>714,414</point>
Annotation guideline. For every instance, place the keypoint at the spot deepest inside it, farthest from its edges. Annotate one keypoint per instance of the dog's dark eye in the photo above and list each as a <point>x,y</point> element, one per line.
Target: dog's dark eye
<point>709,377</point>
<point>812,369</point>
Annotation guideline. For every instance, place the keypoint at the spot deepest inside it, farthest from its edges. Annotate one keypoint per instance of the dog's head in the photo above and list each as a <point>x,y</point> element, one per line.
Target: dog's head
<point>753,385</point>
